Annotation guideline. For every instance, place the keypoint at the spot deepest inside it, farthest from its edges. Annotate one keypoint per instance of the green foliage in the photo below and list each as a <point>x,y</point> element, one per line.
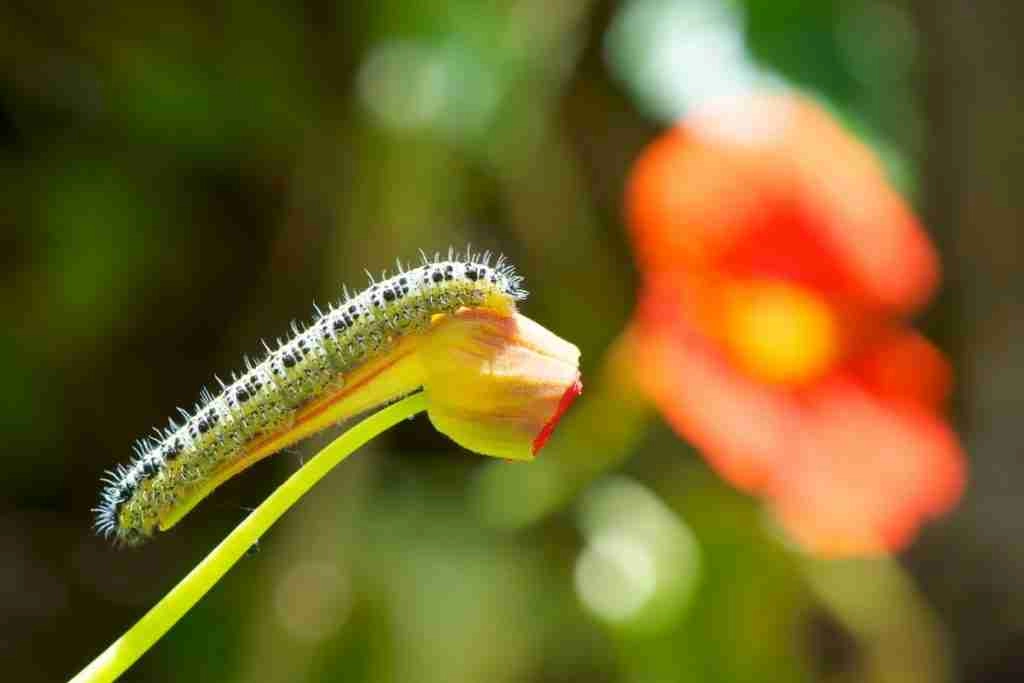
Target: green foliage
<point>181,180</point>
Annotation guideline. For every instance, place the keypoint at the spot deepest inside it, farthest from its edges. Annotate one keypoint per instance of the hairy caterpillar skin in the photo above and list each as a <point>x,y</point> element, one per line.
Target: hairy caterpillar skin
<point>254,415</point>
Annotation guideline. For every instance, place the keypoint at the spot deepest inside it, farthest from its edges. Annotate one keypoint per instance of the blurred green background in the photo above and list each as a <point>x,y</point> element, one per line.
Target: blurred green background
<point>180,180</point>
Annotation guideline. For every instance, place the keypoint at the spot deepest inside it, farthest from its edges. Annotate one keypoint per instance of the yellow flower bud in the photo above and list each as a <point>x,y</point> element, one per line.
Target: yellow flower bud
<point>497,383</point>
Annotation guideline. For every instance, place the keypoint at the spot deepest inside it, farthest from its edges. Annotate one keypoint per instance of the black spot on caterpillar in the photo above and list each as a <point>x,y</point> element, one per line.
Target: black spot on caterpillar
<point>256,414</point>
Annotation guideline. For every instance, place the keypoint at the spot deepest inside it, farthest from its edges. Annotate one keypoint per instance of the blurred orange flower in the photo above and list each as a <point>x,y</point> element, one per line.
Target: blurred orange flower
<point>778,266</point>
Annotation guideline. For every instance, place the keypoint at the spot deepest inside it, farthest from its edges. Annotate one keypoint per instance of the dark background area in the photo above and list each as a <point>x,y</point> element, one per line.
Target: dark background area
<point>178,181</point>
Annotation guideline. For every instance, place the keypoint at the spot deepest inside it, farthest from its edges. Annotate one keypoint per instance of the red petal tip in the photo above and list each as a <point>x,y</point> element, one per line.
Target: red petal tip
<point>568,397</point>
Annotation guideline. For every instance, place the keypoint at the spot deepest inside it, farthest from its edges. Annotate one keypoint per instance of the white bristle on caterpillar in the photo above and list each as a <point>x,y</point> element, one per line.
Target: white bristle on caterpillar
<point>170,467</point>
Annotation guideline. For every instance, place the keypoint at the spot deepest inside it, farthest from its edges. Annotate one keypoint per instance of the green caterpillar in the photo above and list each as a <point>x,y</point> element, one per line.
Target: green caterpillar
<point>173,471</point>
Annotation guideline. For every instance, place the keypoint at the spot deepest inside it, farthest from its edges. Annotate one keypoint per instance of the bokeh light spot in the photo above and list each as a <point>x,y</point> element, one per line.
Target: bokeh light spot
<point>312,600</point>
<point>641,563</point>
<point>673,54</point>
<point>615,576</point>
<point>442,89</point>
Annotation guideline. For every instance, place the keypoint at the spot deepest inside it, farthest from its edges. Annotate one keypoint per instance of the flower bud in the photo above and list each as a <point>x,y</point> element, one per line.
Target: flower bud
<point>495,383</point>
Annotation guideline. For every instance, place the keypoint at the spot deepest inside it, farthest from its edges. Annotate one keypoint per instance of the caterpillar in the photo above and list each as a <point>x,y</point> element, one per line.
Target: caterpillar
<point>278,400</point>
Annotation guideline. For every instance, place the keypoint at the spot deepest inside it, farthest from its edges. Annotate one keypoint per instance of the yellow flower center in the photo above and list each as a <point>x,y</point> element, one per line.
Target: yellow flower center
<point>780,332</point>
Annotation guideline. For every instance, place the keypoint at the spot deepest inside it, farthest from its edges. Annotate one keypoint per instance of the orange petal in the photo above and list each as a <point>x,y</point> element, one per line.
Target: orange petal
<point>742,428</point>
<point>903,365</point>
<point>683,206</point>
<point>864,216</point>
<point>772,181</point>
<point>864,473</point>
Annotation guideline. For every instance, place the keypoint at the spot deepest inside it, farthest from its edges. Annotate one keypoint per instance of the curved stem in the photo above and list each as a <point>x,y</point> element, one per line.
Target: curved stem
<point>123,652</point>
<point>901,637</point>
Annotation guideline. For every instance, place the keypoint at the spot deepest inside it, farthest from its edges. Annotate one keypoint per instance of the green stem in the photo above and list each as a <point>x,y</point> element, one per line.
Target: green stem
<point>899,635</point>
<point>113,661</point>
